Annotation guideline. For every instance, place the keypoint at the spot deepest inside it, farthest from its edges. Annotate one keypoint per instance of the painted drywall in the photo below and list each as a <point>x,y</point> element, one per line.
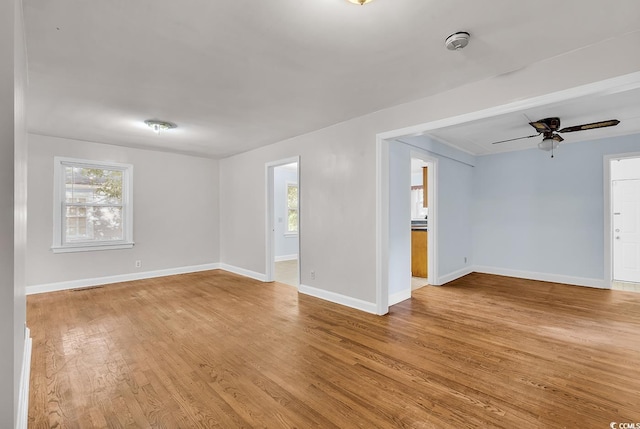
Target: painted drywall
<point>285,245</point>
<point>7,300</point>
<point>455,188</point>
<point>399,222</point>
<point>338,172</point>
<point>337,213</point>
<point>12,208</point>
<point>175,212</point>
<point>541,215</point>
<point>20,361</point>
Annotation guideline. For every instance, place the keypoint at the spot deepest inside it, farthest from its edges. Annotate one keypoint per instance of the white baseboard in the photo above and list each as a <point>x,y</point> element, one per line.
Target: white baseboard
<point>358,304</point>
<point>454,275</point>
<point>399,297</point>
<point>243,272</point>
<point>285,258</point>
<point>23,399</point>
<point>98,281</point>
<point>545,277</point>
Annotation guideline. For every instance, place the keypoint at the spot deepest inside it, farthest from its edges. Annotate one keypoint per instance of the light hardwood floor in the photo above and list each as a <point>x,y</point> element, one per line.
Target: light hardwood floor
<point>216,350</point>
<point>287,272</point>
<point>418,282</point>
<point>628,286</point>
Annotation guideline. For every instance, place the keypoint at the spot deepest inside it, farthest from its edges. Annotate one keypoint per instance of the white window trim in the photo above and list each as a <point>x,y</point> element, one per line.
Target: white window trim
<point>288,233</point>
<point>127,205</point>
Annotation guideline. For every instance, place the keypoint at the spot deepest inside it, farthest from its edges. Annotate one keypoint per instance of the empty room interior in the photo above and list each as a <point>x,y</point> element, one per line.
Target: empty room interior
<point>320,213</point>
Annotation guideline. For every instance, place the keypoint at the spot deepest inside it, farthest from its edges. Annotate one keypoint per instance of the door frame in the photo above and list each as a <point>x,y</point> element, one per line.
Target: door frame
<point>608,212</point>
<point>269,218</point>
<point>432,203</point>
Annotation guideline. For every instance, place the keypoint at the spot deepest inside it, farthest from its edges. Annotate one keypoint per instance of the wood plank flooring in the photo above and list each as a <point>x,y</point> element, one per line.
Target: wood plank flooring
<point>216,350</point>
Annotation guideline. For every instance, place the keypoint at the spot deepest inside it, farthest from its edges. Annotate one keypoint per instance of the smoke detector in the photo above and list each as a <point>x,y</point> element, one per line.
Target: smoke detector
<point>457,40</point>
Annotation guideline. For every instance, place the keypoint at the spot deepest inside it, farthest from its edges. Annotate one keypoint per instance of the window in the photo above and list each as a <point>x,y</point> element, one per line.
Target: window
<point>292,208</point>
<point>93,207</point>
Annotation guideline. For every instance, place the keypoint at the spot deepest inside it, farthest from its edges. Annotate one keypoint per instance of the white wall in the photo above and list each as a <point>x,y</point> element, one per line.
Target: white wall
<point>337,215</point>
<point>175,213</point>
<point>399,223</point>
<point>534,214</point>
<point>13,147</point>
<point>417,173</point>
<point>7,300</point>
<point>455,217</point>
<point>285,245</point>
<point>416,179</point>
<point>20,222</point>
<point>338,173</point>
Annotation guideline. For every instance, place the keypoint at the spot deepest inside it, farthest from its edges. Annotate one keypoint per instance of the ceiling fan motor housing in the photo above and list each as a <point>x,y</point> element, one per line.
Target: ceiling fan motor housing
<point>546,125</point>
<point>553,123</point>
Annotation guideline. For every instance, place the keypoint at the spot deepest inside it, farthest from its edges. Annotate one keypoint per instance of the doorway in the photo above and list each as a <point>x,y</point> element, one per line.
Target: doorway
<point>419,203</point>
<point>399,257</point>
<point>283,225</point>
<point>625,223</point>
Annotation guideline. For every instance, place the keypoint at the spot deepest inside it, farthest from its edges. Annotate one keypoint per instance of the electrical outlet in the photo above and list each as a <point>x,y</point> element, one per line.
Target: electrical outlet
<point>138,264</point>
<point>313,275</point>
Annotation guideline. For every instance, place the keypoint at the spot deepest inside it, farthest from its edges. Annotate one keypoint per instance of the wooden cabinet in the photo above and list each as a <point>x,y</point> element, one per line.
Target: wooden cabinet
<point>419,259</point>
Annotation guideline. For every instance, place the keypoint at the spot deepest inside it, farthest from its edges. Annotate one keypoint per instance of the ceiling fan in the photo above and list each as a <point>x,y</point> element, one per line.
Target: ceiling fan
<point>549,128</point>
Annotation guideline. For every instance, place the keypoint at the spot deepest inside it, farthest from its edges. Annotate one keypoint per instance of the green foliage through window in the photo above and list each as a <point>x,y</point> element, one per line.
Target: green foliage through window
<point>93,199</point>
<point>292,207</point>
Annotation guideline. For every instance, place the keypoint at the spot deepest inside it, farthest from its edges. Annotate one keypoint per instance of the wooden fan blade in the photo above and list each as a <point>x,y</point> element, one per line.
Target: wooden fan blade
<point>517,138</point>
<point>558,138</point>
<point>541,127</point>
<point>601,124</point>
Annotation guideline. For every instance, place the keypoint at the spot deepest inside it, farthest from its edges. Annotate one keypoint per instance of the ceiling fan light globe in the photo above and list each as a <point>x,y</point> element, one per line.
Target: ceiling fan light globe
<point>548,144</point>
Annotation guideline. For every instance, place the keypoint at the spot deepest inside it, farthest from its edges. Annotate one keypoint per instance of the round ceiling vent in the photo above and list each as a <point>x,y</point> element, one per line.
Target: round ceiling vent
<point>457,40</point>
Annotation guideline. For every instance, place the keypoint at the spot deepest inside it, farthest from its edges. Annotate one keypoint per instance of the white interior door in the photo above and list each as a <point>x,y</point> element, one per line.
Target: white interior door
<point>626,230</point>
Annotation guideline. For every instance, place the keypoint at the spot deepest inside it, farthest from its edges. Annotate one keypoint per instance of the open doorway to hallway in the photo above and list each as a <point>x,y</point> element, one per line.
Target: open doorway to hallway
<point>625,207</point>
<point>283,240</point>
<point>285,214</point>
<point>419,222</point>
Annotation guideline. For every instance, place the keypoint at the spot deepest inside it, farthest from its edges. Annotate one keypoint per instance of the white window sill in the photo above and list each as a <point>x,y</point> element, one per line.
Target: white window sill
<point>91,248</point>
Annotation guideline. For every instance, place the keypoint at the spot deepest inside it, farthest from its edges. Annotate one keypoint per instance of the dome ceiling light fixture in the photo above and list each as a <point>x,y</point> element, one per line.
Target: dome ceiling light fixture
<point>158,126</point>
<point>360,2</point>
<point>549,143</point>
<point>457,40</point>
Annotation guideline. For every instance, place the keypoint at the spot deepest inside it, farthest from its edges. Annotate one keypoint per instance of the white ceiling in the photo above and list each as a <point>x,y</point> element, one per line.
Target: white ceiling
<point>239,74</point>
<point>477,137</point>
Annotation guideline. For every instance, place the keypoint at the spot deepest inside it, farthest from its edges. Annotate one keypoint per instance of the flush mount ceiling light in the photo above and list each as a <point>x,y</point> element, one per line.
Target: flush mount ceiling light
<point>360,2</point>
<point>158,126</point>
<point>457,40</point>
